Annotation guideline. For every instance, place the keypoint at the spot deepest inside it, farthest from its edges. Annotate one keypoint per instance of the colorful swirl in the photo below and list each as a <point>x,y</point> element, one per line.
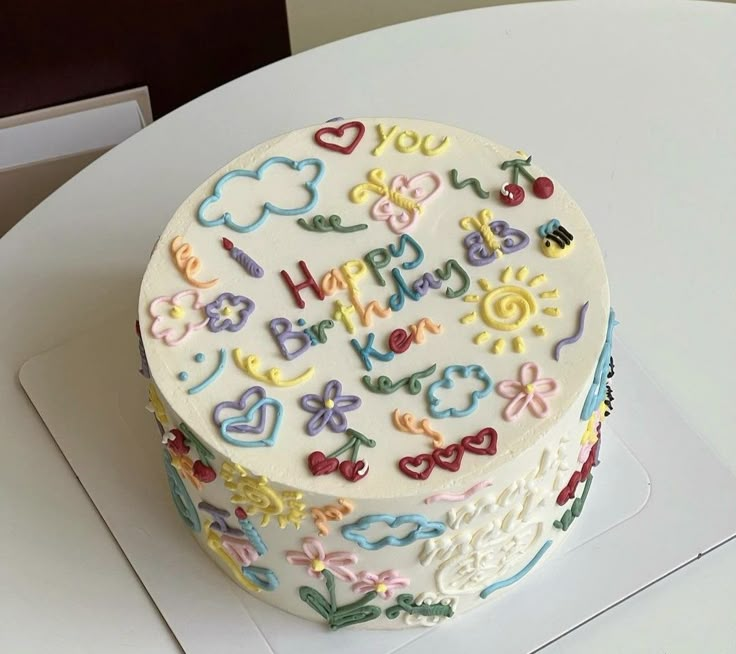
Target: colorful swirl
<point>507,308</point>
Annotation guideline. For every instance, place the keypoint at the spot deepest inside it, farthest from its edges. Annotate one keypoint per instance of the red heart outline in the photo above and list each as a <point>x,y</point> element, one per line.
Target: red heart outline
<point>417,462</point>
<point>450,457</point>
<point>474,443</point>
<point>338,132</point>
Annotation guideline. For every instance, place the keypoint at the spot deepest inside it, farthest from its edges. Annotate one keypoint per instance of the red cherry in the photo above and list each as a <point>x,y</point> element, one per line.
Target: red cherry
<point>177,444</point>
<point>543,187</point>
<point>511,194</point>
<point>353,470</point>
<point>203,472</point>
<point>319,464</point>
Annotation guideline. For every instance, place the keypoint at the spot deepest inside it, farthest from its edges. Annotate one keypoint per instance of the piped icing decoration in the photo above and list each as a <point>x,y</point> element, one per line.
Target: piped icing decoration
<point>576,510</point>
<point>408,141</point>
<point>509,308</point>
<point>402,201</point>
<point>379,258</point>
<point>329,409</point>
<point>367,351</point>
<point>399,340</point>
<point>512,194</point>
<point>490,239</point>
<point>408,424</point>
<point>196,472</point>
<point>218,522</point>
<point>212,205</point>
<point>470,181</point>
<point>556,242</point>
<point>352,469</point>
<point>247,263</point>
<point>191,439</point>
<point>179,494</point>
<point>211,378</point>
<point>281,330</point>
<point>514,578</point>
<point>450,457</point>
<point>385,386</point>
<point>175,317</point>
<point>251,365</point>
<point>530,391</point>
<point>315,560</point>
<point>309,282</point>
<point>250,531</point>
<point>426,609</point>
<point>258,497</point>
<point>144,369</point>
<point>457,497</point>
<point>448,380</point>
<point>228,312</point>
<point>576,336</point>
<point>568,491</point>
<point>250,419</point>
<point>385,583</point>
<point>321,515</point>
<point>251,577</point>
<point>156,406</point>
<point>339,616</point>
<point>597,392</point>
<point>188,264</point>
<point>321,224</point>
<point>422,528</point>
<point>337,143</point>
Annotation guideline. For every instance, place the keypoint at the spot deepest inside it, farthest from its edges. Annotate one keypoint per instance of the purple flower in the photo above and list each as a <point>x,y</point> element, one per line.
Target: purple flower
<point>329,409</point>
<point>229,312</point>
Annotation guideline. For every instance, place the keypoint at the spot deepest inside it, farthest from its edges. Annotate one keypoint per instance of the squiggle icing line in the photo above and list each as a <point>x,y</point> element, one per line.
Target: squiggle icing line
<point>470,181</point>
<point>513,579</point>
<point>188,264</point>
<point>251,366</point>
<point>218,371</point>
<point>576,336</point>
<point>407,423</point>
<point>321,515</point>
<point>457,497</point>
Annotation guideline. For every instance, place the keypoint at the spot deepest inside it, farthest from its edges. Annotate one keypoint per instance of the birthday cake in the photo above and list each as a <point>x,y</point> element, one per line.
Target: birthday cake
<point>378,354</point>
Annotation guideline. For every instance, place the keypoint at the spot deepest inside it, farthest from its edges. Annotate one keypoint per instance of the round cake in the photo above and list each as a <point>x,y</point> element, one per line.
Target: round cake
<point>379,352</point>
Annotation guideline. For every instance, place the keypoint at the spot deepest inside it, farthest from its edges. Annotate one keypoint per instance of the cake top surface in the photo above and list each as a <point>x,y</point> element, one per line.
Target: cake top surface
<point>450,321</point>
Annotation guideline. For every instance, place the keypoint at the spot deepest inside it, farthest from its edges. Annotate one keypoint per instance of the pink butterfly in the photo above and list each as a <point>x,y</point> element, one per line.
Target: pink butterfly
<point>401,203</point>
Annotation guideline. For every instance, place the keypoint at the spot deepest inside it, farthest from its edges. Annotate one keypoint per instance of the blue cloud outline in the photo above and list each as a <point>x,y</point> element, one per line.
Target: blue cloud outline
<point>447,382</point>
<point>268,207</point>
<point>424,529</point>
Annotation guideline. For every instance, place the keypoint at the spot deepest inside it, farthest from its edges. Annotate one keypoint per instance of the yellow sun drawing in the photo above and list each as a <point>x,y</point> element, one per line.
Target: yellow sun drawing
<point>509,307</point>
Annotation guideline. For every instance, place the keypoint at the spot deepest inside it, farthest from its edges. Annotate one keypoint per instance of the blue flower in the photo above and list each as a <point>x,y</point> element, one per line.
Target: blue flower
<point>447,381</point>
<point>423,529</point>
<point>242,224</point>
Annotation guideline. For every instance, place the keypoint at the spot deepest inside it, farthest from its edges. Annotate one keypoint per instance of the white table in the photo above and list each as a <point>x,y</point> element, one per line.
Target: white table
<point>630,104</point>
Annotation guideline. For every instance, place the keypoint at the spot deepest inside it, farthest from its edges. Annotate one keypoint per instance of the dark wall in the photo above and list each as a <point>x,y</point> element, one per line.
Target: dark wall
<point>56,51</point>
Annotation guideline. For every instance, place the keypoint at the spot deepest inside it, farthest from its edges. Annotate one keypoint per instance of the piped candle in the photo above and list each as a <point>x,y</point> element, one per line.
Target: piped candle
<point>250,266</point>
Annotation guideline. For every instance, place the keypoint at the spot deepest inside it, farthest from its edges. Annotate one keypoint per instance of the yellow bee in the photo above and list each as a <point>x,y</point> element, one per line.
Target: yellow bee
<point>556,240</point>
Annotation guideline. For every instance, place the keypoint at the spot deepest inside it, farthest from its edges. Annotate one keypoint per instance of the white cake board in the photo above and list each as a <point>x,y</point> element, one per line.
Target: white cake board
<point>91,398</point>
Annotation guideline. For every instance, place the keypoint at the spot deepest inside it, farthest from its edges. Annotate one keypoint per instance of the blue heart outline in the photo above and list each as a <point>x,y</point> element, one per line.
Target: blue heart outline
<point>247,417</point>
<point>424,529</point>
<point>268,208</point>
<point>447,382</point>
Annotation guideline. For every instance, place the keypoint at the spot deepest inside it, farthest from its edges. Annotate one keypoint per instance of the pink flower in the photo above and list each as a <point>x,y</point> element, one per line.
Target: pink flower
<point>315,559</point>
<point>529,391</point>
<point>384,583</point>
<point>177,316</point>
